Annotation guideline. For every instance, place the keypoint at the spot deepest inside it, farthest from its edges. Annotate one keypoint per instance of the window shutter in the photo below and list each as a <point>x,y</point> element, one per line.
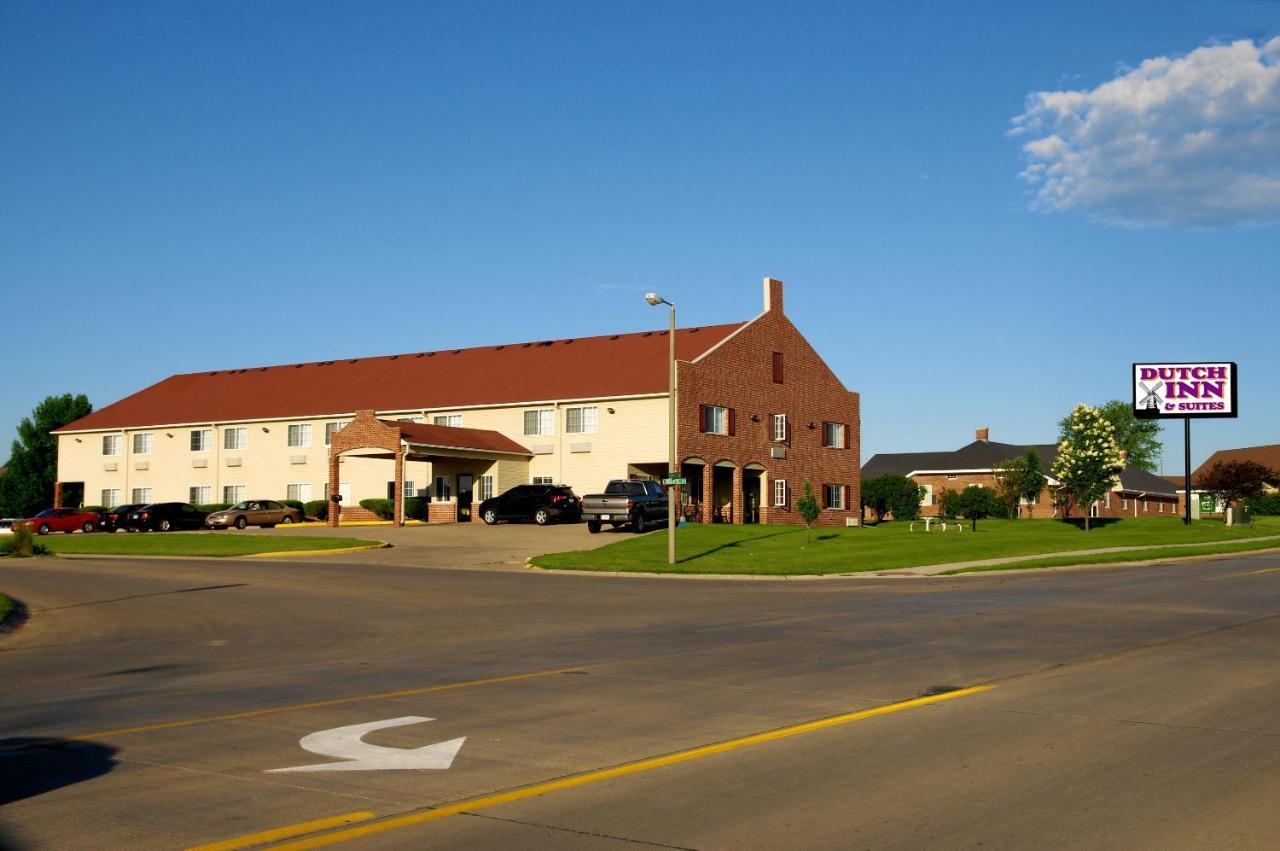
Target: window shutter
<point>844,432</point>
<point>732,424</point>
<point>826,496</point>
<point>848,506</point>
<point>702,418</point>
<point>777,367</point>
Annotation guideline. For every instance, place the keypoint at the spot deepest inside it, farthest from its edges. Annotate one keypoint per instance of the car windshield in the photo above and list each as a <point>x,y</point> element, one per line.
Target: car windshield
<point>242,506</point>
<point>48,512</point>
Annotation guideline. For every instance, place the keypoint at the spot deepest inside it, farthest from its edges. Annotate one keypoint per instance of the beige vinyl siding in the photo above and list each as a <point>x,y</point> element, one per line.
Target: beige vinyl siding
<point>636,433</point>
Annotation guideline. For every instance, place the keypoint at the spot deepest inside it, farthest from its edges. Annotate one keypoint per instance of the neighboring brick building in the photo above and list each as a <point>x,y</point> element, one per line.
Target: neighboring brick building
<point>758,413</point>
<point>1137,493</point>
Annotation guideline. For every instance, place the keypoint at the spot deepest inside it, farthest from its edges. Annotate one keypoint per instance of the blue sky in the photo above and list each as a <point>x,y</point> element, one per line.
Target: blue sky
<point>200,185</point>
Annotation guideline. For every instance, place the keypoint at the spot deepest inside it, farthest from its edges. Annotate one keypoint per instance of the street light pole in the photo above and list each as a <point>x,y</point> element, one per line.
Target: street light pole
<point>673,470</point>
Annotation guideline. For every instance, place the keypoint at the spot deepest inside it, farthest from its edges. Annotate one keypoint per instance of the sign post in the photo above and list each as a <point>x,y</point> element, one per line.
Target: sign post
<point>1185,391</point>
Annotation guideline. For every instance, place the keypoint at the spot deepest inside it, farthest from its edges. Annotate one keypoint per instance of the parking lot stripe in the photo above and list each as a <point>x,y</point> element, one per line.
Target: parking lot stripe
<point>286,832</point>
<point>623,770</point>
<point>337,701</point>
<point>1245,573</point>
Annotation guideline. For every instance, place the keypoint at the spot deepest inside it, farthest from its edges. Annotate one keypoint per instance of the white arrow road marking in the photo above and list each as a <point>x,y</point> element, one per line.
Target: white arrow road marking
<point>347,743</point>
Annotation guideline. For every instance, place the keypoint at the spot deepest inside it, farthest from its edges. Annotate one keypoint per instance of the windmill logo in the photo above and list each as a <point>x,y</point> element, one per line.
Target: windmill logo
<point>1153,400</point>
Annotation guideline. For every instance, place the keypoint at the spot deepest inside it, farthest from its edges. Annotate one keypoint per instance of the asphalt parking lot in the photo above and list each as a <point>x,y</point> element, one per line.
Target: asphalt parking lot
<point>151,705</point>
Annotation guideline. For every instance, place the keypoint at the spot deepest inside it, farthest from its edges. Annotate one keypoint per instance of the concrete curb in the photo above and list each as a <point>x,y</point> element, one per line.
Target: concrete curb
<point>273,554</point>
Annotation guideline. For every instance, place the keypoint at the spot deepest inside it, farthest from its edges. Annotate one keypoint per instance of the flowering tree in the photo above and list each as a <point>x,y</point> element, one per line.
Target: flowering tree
<point>1088,459</point>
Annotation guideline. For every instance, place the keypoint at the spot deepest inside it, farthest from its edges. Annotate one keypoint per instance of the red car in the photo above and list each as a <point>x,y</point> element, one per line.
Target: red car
<point>62,520</point>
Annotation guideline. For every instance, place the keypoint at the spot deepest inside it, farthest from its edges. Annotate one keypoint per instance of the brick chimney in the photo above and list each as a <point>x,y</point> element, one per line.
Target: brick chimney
<point>982,433</point>
<point>772,295</point>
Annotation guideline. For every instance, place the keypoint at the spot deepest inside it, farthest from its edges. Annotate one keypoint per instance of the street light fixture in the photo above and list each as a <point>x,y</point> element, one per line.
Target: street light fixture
<point>673,471</point>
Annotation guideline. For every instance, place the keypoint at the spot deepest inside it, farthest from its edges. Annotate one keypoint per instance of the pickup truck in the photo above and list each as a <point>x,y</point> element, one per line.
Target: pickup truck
<point>641,505</point>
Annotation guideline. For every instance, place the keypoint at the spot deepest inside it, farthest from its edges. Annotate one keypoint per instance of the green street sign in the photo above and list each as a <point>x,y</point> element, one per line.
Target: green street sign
<point>675,480</point>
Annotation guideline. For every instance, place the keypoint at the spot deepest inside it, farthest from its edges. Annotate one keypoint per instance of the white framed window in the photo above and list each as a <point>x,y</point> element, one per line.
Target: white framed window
<point>951,477</point>
<point>111,497</point>
<point>1107,500</point>
<point>201,439</point>
<point>299,435</point>
<point>484,488</point>
<point>300,491</point>
<point>1144,506</point>
<point>144,442</point>
<point>409,490</point>
<point>780,427</point>
<point>541,421</point>
<point>715,419</point>
<point>200,494</point>
<point>780,493</point>
<point>452,420</point>
<point>142,496</point>
<point>1160,508</point>
<point>543,480</point>
<point>834,496</point>
<point>444,489</point>
<point>344,491</point>
<point>584,420</point>
<point>833,435</point>
<point>330,429</point>
<point>231,494</point>
<point>1124,503</point>
<point>926,494</point>
<point>411,419</point>
<point>235,438</point>
<point>112,444</point>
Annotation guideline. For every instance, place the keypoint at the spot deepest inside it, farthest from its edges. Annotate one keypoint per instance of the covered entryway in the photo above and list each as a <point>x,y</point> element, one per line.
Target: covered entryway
<point>466,464</point>
<point>694,471</point>
<point>723,491</point>
<point>752,493</point>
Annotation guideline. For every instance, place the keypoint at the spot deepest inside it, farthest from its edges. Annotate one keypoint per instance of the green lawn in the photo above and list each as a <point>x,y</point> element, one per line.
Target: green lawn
<point>783,550</point>
<point>191,544</point>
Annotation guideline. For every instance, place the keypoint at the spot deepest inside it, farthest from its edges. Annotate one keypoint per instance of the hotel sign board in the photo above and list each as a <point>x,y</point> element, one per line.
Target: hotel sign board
<point>1184,390</point>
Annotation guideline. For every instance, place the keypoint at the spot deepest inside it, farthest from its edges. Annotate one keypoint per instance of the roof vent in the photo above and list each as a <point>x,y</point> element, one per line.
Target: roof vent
<point>299,365</point>
<point>693,330</point>
<point>648,333</point>
<point>431,354</point>
<point>215,372</point>
<point>526,345</point>
<point>567,342</point>
<point>393,357</point>
<point>457,351</point>
<point>498,348</point>
<point>420,355</point>
<point>614,337</point>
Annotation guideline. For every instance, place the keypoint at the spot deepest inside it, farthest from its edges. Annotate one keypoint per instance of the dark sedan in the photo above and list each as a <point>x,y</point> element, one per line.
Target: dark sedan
<point>118,517</point>
<point>167,517</point>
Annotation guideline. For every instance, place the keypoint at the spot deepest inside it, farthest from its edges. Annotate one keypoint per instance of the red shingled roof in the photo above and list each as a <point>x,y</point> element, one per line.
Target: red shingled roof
<point>1267,455</point>
<point>582,368</point>
<point>458,437</point>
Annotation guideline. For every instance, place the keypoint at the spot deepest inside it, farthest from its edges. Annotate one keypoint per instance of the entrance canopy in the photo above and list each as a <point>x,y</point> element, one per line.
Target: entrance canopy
<point>403,441</point>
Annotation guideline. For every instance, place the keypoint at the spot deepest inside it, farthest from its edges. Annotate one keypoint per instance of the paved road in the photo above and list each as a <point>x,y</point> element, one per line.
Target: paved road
<point>1130,708</point>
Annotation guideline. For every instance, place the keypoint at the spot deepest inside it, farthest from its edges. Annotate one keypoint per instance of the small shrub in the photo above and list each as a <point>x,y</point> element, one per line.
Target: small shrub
<point>381,507</point>
<point>317,508</point>
<point>210,507</point>
<point>1266,504</point>
<point>21,543</point>
<point>295,503</point>
<point>415,508</point>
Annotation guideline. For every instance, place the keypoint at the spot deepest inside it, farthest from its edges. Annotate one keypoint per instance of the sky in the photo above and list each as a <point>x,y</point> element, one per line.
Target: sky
<point>983,213</point>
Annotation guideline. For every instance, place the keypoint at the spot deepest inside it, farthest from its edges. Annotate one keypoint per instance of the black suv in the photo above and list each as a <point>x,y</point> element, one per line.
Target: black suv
<point>166,517</point>
<point>118,517</point>
<point>540,503</point>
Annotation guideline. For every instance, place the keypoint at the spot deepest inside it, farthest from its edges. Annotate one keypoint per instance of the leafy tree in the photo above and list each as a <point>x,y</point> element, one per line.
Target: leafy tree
<point>976,502</point>
<point>1232,482</point>
<point>894,494</point>
<point>1088,459</point>
<point>1267,503</point>
<point>33,465</point>
<point>1139,439</point>
<point>1018,479</point>
<point>808,508</point>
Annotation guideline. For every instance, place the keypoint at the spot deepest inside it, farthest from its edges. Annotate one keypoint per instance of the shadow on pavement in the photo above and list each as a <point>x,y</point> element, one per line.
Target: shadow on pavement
<point>32,766</point>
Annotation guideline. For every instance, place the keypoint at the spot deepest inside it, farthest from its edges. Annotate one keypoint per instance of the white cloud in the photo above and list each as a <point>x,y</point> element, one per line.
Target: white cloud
<point>1190,140</point>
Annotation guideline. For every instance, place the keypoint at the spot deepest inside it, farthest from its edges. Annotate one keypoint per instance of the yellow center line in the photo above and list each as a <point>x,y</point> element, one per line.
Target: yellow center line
<point>286,832</point>
<point>338,701</point>
<point>623,770</point>
<point>1245,573</point>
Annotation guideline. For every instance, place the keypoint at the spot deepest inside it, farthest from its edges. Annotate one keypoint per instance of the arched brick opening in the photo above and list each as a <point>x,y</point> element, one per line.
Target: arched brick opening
<point>366,431</point>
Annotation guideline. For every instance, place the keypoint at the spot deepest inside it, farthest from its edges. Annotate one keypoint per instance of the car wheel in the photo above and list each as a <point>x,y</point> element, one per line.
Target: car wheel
<point>241,522</point>
<point>593,526</point>
<point>542,517</point>
<point>42,529</point>
<point>637,523</point>
<point>288,518</point>
<point>88,526</point>
<point>490,516</point>
<point>166,526</point>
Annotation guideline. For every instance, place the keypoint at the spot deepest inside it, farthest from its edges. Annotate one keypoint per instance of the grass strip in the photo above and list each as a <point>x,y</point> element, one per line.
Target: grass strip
<point>787,550</point>
<point>204,544</point>
<point>1128,556</point>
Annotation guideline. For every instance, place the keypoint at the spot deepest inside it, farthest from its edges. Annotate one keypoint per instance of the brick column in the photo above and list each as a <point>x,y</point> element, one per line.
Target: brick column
<point>708,492</point>
<point>398,503</point>
<point>766,498</point>
<point>335,508</point>
<point>737,501</point>
<point>57,494</point>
